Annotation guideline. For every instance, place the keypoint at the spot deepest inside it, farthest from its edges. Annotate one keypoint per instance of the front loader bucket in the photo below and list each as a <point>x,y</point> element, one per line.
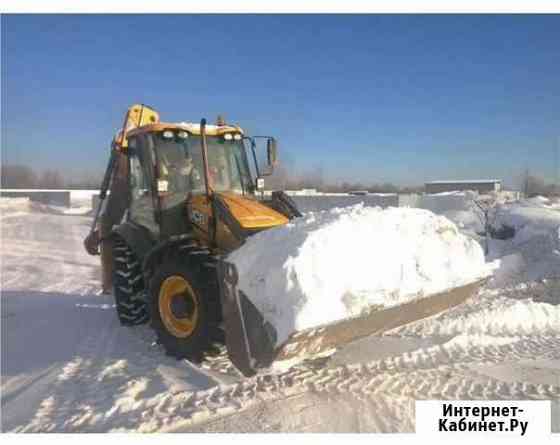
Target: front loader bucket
<point>250,339</point>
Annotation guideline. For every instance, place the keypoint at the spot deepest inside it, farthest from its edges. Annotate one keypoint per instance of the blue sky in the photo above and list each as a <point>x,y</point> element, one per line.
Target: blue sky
<point>365,98</point>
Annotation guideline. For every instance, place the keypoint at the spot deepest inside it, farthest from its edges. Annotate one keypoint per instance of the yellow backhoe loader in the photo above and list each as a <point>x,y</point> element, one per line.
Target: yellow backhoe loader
<point>175,200</point>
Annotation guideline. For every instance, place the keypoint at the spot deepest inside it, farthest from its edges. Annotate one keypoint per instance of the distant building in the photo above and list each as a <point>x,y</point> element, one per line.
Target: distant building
<point>479,185</point>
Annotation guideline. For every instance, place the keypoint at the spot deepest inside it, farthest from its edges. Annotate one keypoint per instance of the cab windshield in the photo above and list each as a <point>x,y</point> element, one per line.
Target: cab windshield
<point>180,164</point>
<point>228,166</point>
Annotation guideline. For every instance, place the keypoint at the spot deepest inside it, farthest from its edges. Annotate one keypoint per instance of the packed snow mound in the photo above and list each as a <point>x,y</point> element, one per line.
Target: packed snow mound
<point>543,201</point>
<point>7,204</point>
<point>10,207</point>
<point>336,264</point>
<point>534,251</point>
<point>458,206</point>
<point>527,215</point>
<point>531,308</point>
<point>448,201</point>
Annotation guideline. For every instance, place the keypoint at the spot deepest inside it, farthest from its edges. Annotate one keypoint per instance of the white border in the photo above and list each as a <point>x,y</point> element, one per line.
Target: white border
<point>269,439</point>
<point>278,6</point>
<point>264,6</point>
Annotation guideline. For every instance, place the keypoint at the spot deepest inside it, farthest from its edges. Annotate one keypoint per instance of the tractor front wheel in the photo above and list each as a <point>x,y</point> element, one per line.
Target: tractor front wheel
<point>179,310</point>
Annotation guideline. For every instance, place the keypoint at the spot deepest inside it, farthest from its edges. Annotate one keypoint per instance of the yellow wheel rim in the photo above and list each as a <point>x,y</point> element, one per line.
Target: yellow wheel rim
<point>178,306</point>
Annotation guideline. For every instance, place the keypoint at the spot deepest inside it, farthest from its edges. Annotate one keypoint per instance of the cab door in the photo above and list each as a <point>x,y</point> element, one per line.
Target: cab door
<point>141,185</point>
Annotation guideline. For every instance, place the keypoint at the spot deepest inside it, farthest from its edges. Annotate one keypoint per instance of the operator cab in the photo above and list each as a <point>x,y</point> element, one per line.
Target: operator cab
<point>171,158</point>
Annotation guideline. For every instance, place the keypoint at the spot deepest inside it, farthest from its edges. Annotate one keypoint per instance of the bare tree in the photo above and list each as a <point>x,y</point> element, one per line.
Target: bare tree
<point>532,185</point>
<point>282,175</point>
<point>486,213</point>
<point>538,186</point>
<point>51,179</point>
<point>86,181</point>
<point>18,176</point>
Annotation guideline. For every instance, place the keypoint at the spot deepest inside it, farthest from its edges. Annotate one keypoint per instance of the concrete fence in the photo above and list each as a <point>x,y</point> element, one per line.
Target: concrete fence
<point>326,202</point>
<point>315,203</point>
<point>306,203</point>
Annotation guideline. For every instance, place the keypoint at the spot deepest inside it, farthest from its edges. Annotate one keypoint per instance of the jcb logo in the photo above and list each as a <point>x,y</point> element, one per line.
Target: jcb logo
<point>197,217</point>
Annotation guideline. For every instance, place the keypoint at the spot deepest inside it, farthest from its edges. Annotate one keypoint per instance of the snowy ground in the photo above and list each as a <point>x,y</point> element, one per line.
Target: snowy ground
<point>67,364</point>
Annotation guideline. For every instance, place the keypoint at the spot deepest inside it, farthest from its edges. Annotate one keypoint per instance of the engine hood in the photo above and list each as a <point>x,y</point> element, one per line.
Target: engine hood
<point>250,213</point>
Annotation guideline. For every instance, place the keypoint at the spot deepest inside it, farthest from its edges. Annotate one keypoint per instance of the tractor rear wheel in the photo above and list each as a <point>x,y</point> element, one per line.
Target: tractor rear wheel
<point>128,285</point>
<point>181,307</point>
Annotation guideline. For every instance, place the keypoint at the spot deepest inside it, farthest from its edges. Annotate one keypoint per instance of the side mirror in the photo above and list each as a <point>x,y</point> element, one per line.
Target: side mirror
<point>271,152</point>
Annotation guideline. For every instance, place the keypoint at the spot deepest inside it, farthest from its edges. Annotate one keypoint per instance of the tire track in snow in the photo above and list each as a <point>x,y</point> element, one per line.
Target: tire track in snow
<point>104,387</point>
<point>59,411</point>
<point>443,372</point>
<point>437,372</point>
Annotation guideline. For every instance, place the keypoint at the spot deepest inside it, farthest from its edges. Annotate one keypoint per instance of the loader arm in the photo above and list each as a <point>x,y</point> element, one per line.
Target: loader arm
<point>92,240</point>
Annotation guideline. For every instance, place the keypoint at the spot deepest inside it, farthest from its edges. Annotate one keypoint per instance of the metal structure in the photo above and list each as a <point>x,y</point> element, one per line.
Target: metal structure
<point>477,185</point>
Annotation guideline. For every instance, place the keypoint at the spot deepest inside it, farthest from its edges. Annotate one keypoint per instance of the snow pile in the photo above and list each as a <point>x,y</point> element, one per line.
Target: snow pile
<point>60,210</point>
<point>493,315</point>
<point>531,308</point>
<point>527,215</point>
<point>10,207</point>
<point>336,264</point>
<point>81,201</point>
<point>8,204</point>
<point>534,251</point>
<point>82,197</point>
<point>459,207</point>
<point>512,269</point>
<point>543,201</point>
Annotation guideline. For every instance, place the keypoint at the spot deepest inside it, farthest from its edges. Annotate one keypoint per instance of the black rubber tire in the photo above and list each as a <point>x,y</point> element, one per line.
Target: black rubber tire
<point>192,267</point>
<point>128,286</point>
